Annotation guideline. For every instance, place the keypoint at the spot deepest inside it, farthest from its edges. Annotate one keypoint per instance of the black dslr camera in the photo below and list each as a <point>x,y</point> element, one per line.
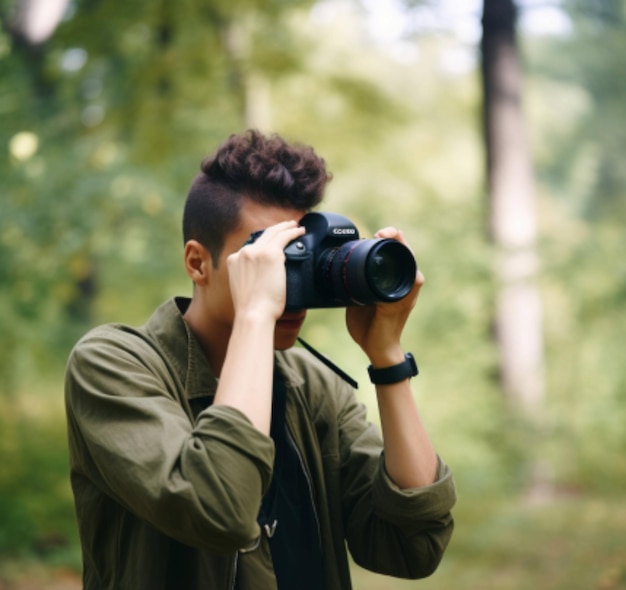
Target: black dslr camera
<point>329,266</point>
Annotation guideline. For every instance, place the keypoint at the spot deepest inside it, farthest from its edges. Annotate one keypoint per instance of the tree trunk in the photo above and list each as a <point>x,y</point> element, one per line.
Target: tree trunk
<point>512,217</point>
<point>37,19</point>
<point>249,86</point>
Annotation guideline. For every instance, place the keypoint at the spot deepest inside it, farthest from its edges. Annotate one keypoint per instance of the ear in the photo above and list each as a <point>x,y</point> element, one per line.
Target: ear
<point>198,262</point>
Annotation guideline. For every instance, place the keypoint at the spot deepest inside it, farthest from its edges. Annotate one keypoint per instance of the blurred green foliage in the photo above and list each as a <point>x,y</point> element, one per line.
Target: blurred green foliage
<point>102,130</point>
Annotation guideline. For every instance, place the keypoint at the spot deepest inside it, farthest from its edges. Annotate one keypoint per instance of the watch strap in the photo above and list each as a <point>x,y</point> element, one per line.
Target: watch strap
<point>396,373</point>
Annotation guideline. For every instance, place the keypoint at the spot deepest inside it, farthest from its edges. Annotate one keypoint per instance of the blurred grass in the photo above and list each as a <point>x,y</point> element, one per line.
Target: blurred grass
<point>571,540</point>
<point>36,509</point>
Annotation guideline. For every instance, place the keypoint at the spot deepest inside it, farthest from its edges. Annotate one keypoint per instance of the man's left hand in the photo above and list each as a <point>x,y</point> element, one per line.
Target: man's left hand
<point>377,329</point>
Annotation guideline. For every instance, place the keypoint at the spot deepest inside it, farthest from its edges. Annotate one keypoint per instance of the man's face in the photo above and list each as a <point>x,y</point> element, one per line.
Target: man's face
<point>253,217</point>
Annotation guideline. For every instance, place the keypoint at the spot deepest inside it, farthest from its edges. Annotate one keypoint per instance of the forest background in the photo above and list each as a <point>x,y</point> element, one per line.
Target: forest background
<point>103,121</point>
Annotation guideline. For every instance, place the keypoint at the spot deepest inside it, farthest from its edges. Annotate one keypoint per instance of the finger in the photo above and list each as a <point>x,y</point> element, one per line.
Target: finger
<point>281,239</point>
<point>394,234</point>
<point>388,232</point>
<point>266,234</point>
<point>284,232</point>
<point>262,238</point>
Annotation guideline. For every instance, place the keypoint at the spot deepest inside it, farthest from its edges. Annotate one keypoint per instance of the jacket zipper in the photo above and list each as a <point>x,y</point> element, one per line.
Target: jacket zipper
<point>309,485</point>
<point>254,547</point>
<point>234,576</point>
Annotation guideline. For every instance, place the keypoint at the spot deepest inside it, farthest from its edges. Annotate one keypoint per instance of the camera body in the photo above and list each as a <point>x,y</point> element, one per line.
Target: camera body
<point>329,266</point>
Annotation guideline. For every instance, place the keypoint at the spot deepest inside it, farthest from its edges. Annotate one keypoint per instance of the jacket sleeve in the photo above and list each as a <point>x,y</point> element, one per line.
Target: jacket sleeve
<point>200,483</point>
<point>402,533</point>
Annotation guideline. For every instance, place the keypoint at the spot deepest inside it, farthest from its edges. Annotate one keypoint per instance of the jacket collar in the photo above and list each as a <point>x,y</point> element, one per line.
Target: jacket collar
<point>292,378</point>
<point>179,345</point>
<point>182,349</point>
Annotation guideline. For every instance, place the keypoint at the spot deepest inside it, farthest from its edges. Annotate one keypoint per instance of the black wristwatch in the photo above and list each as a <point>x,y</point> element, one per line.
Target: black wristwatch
<point>388,375</point>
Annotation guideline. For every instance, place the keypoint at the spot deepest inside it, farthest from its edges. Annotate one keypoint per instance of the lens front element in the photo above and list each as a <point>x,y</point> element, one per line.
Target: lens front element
<point>390,270</point>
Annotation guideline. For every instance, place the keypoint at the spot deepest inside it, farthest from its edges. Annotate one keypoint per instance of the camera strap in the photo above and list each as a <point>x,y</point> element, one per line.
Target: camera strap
<point>332,366</point>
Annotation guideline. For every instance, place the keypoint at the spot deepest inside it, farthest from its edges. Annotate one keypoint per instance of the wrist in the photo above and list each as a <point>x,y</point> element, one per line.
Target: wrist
<point>255,316</point>
<point>386,358</point>
<point>254,323</point>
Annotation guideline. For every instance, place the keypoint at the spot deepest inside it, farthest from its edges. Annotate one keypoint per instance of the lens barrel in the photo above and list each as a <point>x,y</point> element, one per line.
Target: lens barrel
<point>368,271</point>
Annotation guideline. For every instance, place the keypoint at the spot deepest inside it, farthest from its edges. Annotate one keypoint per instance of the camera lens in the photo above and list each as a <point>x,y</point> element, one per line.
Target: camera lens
<point>384,270</point>
<point>368,271</point>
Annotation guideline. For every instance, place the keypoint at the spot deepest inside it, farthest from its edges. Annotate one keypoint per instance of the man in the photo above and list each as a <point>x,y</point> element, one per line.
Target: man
<point>206,452</point>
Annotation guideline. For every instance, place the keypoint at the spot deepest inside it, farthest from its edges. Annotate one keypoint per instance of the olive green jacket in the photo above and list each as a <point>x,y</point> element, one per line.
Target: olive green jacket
<point>167,487</point>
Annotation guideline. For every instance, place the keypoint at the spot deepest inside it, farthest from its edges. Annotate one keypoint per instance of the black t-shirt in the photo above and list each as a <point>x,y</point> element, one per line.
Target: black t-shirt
<point>287,512</point>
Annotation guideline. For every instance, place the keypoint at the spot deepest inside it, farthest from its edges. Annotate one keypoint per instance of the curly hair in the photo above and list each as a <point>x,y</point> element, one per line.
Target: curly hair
<point>250,166</point>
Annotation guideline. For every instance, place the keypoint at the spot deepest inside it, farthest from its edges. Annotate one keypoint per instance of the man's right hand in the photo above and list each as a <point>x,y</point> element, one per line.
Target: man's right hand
<point>257,272</point>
